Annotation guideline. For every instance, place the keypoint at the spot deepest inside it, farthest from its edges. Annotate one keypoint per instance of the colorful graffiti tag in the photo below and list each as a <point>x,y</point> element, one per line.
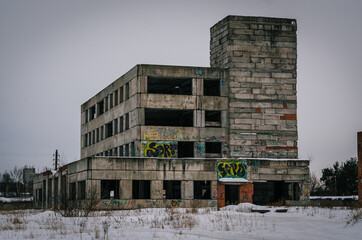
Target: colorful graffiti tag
<point>231,169</point>
<point>157,149</point>
<point>176,203</point>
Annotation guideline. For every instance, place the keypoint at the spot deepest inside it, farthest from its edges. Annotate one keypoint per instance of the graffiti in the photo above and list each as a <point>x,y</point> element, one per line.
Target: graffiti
<point>213,203</point>
<point>231,169</point>
<point>199,71</point>
<point>176,203</point>
<point>170,133</point>
<point>119,204</point>
<point>214,191</point>
<point>200,148</point>
<point>164,149</point>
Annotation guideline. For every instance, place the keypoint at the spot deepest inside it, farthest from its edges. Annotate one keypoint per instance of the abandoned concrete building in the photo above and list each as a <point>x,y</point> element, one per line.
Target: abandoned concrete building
<point>177,136</point>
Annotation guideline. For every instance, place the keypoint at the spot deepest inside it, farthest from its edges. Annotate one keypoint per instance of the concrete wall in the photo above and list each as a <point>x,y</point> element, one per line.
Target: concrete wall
<point>124,170</point>
<point>261,56</point>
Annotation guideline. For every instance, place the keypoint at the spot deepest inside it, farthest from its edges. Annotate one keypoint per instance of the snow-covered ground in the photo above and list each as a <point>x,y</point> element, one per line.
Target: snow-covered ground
<point>231,222</point>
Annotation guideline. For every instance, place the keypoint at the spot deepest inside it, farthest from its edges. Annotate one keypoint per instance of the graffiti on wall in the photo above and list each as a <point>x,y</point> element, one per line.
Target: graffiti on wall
<point>159,149</point>
<point>176,203</point>
<point>169,133</point>
<point>231,169</point>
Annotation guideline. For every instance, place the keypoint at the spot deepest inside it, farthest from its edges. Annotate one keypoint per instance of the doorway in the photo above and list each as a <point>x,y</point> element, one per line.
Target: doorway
<point>231,195</point>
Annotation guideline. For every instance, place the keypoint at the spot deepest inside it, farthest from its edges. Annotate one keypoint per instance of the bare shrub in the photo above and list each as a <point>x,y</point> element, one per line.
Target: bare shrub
<point>354,217</point>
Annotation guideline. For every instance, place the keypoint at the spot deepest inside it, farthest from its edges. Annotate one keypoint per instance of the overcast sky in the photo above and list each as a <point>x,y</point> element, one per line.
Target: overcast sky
<point>55,55</point>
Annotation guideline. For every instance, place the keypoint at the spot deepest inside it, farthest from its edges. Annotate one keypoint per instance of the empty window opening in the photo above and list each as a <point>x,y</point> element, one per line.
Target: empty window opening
<point>211,87</point>
<point>109,130</point>
<point>121,151</point>
<point>116,97</point>
<point>126,148</point>
<point>213,149</point>
<point>89,138</point>
<point>172,189</point>
<point>56,190</point>
<point>126,118</point>
<point>231,195</point>
<point>102,133</point>
<point>97,134</point>
<point>121,95</point>
<point>177,86</point>
<point>133,149</point>
<point>275,192</point>
<point>94,137</point>
<point>81,190</point>
<point>92,112</point>
<point>72,191</point>
<point>63,188</point>
<point>110,101</point>
<point>212,118</point>
<point>185,149</point>
<point>121,124</point>
<point>115,152</point>
<point>109,189</point>
<point>106,153</point>
<point>202,190</point>
<point>106,105</point>
<point>85,140</point>
<point>141,189</point>
<point>163,117</point>
<point>126,94</point>
<point>49,199</point>
<point>44,190</point>
<point>115,126</point>
<point>100,108</point>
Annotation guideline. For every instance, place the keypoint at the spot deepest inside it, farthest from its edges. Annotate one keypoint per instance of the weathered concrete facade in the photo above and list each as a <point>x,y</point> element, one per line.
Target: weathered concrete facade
<point>261,57</point>
<point>171,136</point>
<point>197,182</point>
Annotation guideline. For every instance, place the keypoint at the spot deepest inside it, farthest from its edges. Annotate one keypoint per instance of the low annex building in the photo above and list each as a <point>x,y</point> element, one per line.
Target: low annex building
<point>177,136</point>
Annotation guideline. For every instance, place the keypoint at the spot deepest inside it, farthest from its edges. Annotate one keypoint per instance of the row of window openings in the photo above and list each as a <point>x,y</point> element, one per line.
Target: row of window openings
<point>127,150</point>
<point>178,86</point>
<point>112,128</point>
<point>141,189</point>
<point>108,103</point>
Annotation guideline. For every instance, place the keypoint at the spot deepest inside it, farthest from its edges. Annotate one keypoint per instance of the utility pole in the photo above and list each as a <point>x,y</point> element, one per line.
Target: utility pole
<point>55,159</point>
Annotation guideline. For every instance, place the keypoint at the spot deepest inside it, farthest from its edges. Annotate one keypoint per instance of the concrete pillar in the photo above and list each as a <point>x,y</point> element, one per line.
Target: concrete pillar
<point>125,189</point>
<point>188,190</point>
<point>156,189</point>
<point>246,191</point>
<point>199,150</point>
<point>359,154</point>
<point>220,195</point>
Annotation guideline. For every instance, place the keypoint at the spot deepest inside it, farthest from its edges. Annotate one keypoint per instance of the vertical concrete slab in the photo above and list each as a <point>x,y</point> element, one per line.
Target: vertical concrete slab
<point>125,189</point>
<point>214,190</point>
<point>220,195</point>
<point>156,189</point>
<point>188,190</point>
<point>246,191</point>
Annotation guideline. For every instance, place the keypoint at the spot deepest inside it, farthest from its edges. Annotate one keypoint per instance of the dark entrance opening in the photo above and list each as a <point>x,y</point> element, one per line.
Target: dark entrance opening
<point>275,192</point>
<point>165,117</point>
<point>231,195</point>
<point>185,149</point>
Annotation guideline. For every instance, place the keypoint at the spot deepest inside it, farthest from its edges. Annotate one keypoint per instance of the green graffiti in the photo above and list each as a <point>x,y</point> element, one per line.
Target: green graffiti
<point>231,169</point>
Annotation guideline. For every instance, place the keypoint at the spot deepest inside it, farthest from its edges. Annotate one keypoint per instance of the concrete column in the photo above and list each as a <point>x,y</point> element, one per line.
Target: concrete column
<point>126,189</point>
<point>156,189</point>
<point>188,190</point>
<point>199,151</point>
<point>359,154</point>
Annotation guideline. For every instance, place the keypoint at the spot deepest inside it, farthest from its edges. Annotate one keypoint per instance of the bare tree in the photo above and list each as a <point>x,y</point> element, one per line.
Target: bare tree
<point>315,184</point>
<point>17,175</point>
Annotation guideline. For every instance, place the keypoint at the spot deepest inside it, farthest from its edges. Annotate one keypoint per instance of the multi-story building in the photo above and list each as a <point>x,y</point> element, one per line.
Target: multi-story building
<point>173,132</point>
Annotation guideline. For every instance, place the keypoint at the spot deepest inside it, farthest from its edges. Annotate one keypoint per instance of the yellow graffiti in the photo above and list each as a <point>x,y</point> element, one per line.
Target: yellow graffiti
<point>231,169</point>
<point>151,135</point>
<point>154,149</point>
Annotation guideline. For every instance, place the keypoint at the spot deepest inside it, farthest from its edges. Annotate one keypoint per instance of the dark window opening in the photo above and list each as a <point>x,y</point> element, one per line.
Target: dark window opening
<point>141,189</point>
<point>40,195</point>
<point>162,117</point>
<point>202,190</point>
<point>63,188</point>
<point>94,137</point>
<point>85,140</point>
<point>106,104</point>
<point>231,195</point>
<point>126,148</point>
<point>211,87</point>
<point>109,130</point>
<point>56,190</point>
<point>116,97</point>
<point>212,119</point>
<point>133,149</point>
<point>92,112</point>
<point>89,138</point>
<point>185,149</point>
<point>81,190</point>
<point>49,199</point>
<point>102,133</point>
<point>213,149</point>
<point>177,86</point>
<point>110,101</point>
<point>121,124</point>
<point>72,191</point>
<point>44,190</point>
<point>126,86</point>
<point>109,189</point>
<point>100,108</point>
<point>172,189</point>
<point>126,125</point>
<point>115,126</point>
<point>121,95</point>
<point>97,134</point>
<point>275,192</point>
<point>121,151</point>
